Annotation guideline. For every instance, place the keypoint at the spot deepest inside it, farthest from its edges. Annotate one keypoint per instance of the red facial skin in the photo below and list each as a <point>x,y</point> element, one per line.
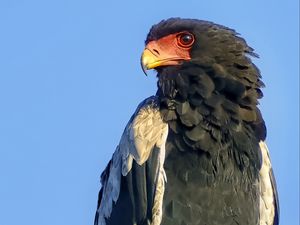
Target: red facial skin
<point>169,50</point>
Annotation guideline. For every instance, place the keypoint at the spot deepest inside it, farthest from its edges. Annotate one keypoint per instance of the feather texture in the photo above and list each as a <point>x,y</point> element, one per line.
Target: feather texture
<point>217,165</point>
<point>144,133</point>
<point>269,205</point>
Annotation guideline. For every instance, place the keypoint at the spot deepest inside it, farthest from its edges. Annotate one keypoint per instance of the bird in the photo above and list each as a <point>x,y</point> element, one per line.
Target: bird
<point>194,153</point>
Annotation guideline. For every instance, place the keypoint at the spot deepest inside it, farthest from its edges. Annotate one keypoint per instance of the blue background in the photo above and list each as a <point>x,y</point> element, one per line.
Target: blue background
<point>70,79</point>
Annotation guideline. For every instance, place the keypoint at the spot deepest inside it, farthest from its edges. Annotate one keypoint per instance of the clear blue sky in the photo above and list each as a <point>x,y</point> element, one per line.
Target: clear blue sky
<point>70,79</point>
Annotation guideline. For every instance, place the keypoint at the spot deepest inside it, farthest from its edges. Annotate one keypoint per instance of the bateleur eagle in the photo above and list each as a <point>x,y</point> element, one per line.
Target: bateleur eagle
<point>194,153</point>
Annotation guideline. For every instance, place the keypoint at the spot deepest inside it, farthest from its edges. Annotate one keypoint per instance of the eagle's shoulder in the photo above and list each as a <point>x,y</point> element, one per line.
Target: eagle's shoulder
<point>145,132</point>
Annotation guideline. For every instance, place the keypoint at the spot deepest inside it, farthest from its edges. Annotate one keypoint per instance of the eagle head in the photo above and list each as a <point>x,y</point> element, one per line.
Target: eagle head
<point>207,67</point>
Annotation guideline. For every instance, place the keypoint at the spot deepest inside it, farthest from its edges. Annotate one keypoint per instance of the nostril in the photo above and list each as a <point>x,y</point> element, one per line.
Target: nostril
<point>157,52</point>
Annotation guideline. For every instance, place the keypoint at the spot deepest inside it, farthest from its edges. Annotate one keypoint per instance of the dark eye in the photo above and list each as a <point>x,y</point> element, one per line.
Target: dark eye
<point>185,40</point>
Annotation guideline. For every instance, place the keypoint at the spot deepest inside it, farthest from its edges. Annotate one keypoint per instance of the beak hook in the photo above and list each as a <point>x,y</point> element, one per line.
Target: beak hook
<point>143,66</point>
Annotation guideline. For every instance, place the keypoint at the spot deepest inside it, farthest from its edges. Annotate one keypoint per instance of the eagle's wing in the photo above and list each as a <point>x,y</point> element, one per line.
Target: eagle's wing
<point>133,181</point>
<point>269,205</point>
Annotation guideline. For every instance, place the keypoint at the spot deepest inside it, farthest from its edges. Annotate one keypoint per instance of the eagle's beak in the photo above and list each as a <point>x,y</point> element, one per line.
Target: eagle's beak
<point>151,60</point>
<point>147,59</point>
<point>155,55</point>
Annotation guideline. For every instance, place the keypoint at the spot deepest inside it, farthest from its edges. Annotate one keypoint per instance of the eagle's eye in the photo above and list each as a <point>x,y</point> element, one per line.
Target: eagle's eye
<point>185,39</point>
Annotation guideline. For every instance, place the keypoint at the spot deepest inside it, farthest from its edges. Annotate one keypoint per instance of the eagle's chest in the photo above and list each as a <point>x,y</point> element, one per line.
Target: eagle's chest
<point>212,154</point>
<point>199,185</point>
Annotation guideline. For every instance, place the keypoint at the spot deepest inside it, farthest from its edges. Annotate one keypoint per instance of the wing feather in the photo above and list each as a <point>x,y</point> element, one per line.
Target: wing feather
<point>144,134</point>
<point>269,205</point>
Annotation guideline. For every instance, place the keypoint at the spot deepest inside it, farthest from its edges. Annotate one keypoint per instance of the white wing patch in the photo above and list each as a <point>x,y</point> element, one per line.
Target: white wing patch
<point>160,186</point>
<point>267,195</point>
<point>144,132</point>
